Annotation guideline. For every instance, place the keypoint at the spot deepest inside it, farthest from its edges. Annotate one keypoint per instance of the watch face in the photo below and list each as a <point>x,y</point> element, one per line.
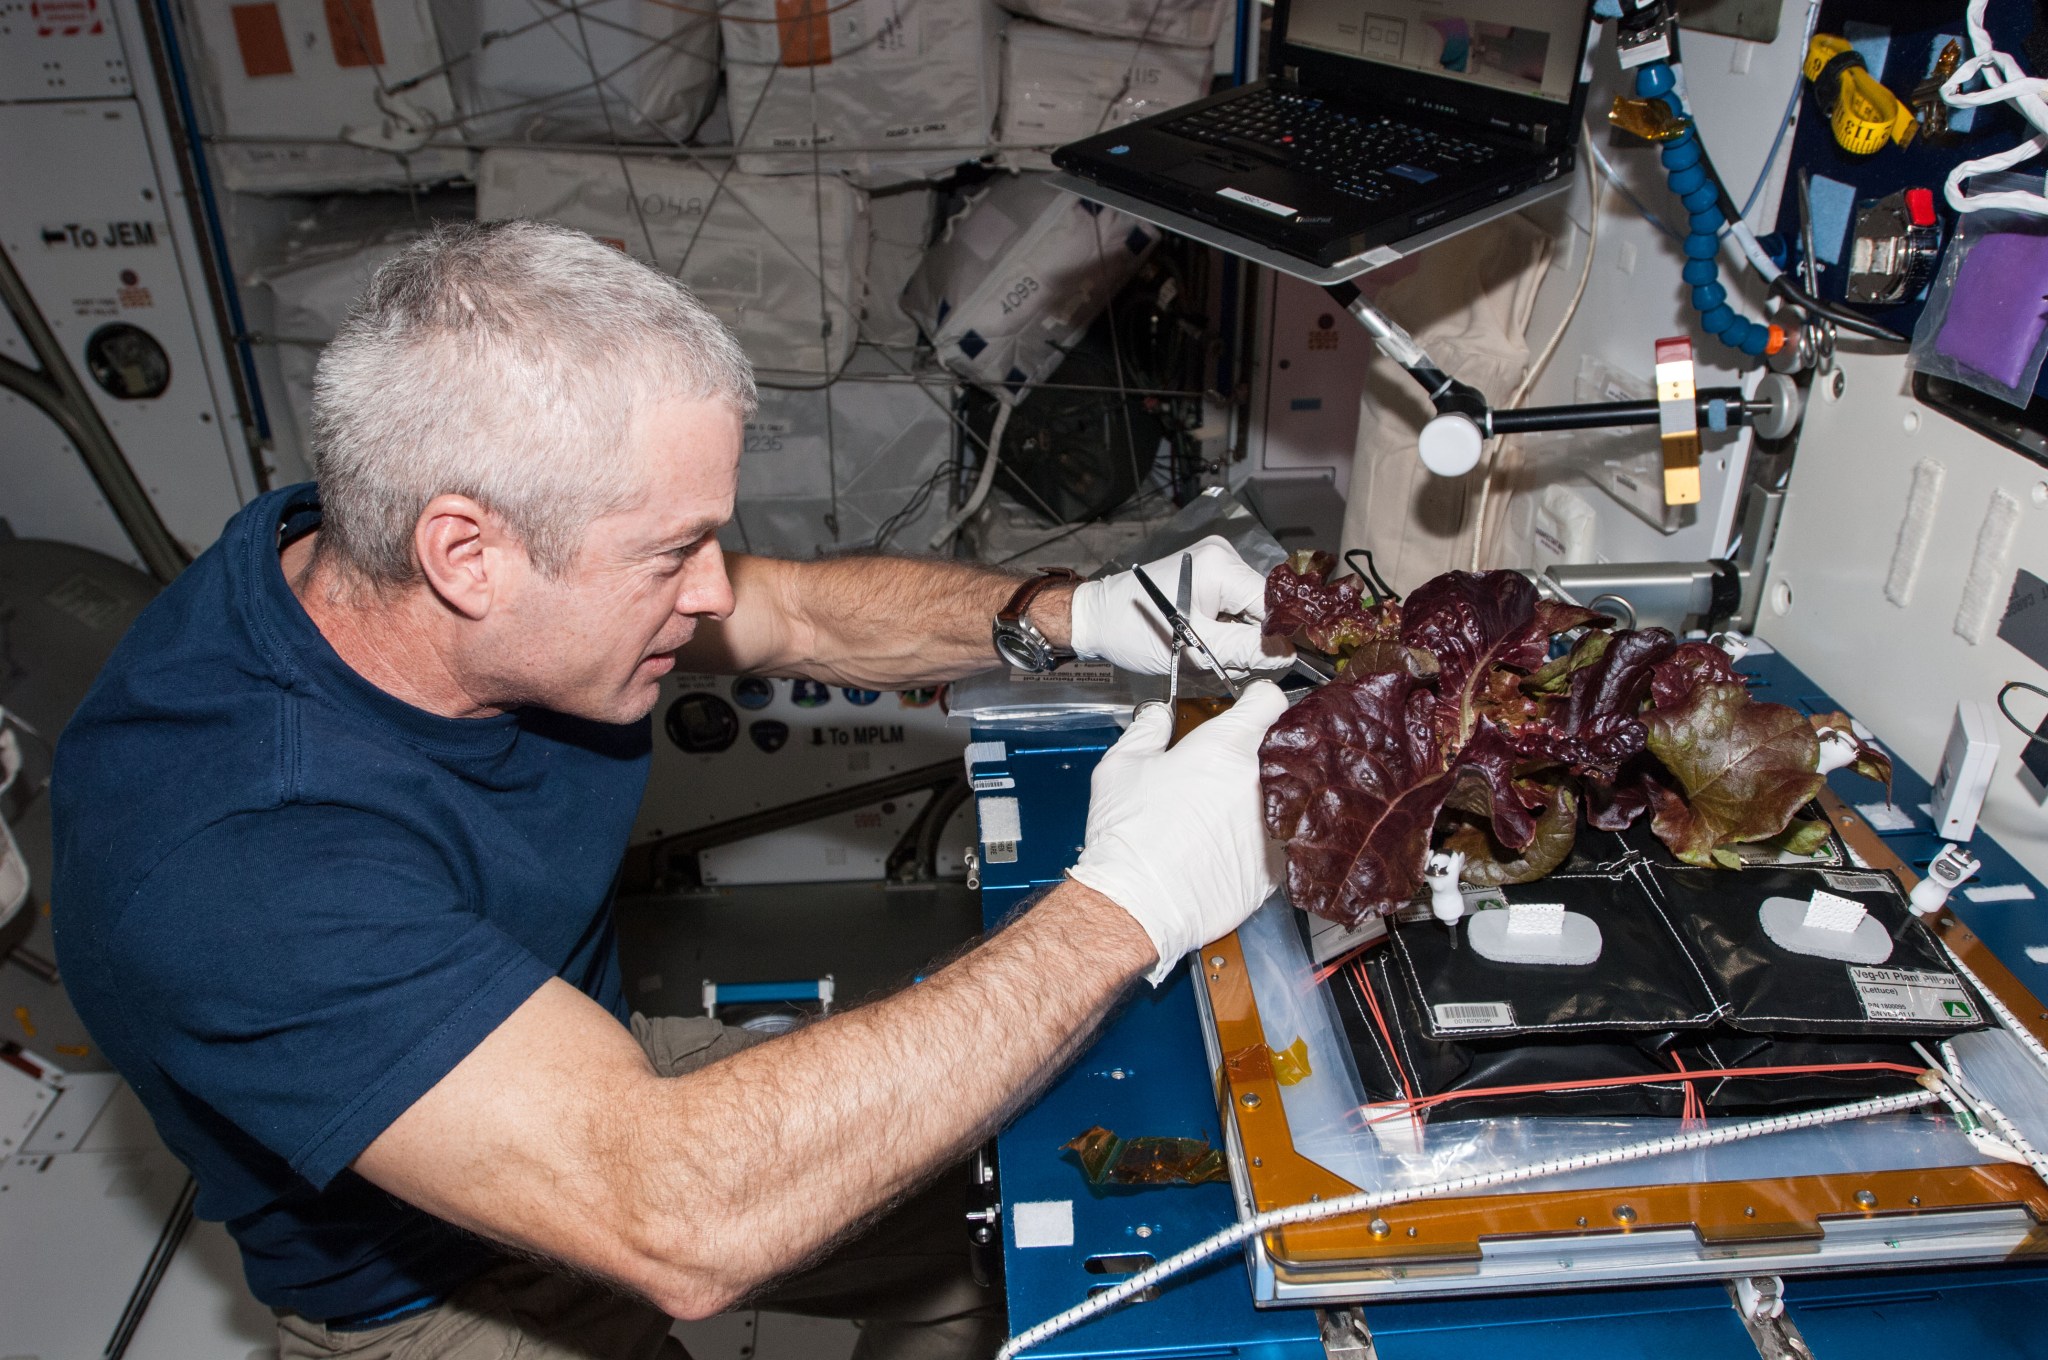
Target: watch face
<point>1018,650</point>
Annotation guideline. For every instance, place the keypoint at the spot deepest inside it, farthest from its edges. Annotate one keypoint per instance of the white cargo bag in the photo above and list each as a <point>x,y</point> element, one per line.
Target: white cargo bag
<point>781,261</point>
<point>311,68</point>
<point>1018,277</point>
<point>803,493</point>
<point>902,223</point>
<point>888,90</point>
<point>655,65</point>
<point>1060,86</point>
<point>310,297</point>
<point>1186,23</point>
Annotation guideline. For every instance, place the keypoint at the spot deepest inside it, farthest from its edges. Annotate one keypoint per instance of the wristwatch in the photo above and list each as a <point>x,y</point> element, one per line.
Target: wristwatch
<point>1017,638</point>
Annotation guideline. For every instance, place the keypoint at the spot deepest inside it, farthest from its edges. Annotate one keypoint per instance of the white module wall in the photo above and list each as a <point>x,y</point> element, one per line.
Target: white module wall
<point>112,259</point>
<point>1877,604</point>
<point>1740,91</point>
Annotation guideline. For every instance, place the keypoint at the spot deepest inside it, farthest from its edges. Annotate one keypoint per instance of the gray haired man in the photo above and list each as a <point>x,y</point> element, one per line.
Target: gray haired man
<point>349,935</point>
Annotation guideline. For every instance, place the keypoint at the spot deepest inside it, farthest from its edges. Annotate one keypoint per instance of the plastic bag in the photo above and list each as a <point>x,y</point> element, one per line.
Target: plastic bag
<point>1985,324</point>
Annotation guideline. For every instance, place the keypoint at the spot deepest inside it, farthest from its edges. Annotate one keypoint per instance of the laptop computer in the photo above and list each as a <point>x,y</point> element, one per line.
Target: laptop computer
<point>1378,121</point>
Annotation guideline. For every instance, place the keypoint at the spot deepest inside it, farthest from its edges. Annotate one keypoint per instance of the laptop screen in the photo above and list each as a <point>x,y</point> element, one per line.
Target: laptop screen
<point>1526,47</point>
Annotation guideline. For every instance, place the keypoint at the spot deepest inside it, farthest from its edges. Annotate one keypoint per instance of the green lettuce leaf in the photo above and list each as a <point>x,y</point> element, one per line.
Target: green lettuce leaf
<point>1745,769</point>
<point>1489,864</point>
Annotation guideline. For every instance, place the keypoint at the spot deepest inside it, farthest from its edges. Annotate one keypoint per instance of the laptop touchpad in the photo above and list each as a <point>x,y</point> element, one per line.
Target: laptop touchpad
<point>1198,173</point>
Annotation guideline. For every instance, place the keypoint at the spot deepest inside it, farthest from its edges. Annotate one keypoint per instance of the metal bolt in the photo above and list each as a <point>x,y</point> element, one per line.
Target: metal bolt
<point>1582,1220</point>
<point>1378,1227</point>
<point>1866,1199</point>
<point>1749,1211</point>
<point>1411,1232</point>
<point>1837,382</point>
<point>1215,960</point>
<point>1315,1199</point>
<point>1258,1161</point>
<point>1913,1200</point>
<point>1116,1074</point>
<point>1250,1100</point>
<point>1624,1214</point>
<point>1144,1230</point>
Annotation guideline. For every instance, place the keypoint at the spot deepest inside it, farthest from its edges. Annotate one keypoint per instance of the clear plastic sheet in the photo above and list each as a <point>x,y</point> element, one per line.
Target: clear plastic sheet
<point>1098,695</point>
<point>1323,1110</point>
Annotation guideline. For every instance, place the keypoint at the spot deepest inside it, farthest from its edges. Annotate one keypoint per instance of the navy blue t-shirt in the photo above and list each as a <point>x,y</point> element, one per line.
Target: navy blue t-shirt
<point>287,903</point>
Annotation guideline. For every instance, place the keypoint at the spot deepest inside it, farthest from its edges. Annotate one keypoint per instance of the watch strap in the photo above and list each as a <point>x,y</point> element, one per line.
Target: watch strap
<point>1027,591</point>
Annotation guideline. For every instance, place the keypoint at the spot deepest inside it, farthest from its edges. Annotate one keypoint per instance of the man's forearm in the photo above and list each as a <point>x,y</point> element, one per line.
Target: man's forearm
<point>800,1138</point>
<point>871,622</point>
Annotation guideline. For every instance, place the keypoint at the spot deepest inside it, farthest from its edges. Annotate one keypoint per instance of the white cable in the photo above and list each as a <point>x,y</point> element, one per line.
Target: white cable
<point>1535,370</point>
<point>2004,81</point>
<point>1972,1105</point>
<point>986,480</point>
<point>1365,1202</point>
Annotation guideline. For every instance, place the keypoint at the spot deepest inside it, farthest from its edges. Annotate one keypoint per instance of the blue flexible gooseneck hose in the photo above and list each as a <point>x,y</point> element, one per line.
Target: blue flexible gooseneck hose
<point>1683,166</point>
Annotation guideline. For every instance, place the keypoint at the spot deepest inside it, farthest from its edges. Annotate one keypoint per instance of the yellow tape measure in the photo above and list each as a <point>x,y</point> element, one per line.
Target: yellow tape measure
<point>1863,114</point>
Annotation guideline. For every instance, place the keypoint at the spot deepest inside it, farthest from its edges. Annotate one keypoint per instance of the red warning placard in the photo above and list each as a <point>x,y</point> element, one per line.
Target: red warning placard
<point>65,18</point>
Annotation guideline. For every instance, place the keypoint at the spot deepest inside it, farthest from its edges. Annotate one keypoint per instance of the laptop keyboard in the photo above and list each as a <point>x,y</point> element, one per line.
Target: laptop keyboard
<point>1368,156</point>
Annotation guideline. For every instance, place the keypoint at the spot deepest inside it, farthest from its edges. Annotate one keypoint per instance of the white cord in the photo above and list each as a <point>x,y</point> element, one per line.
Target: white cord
<point>2003,81</point>
<point>1594,195</point>
<point>1365,1202</point>
<point>986,480</point>
<point>1972,1106</point>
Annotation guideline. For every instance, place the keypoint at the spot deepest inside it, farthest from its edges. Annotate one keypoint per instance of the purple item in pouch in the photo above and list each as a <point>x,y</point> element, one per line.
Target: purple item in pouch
<point>1996,312</point>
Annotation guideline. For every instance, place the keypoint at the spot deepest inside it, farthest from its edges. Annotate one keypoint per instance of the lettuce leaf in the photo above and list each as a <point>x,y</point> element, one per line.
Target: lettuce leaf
<point>1871,761</point>
<point>1745,769</point>
<point>1489,864</point>
<point>1302,601</point>
<point>1477,624</point>
<point>1353,783</point>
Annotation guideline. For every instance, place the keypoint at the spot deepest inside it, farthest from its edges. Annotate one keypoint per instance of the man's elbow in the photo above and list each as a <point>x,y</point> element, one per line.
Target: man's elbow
<point>690,1275</point>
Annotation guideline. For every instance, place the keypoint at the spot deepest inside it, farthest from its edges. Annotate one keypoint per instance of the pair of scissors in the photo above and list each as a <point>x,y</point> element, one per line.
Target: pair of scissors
<point>1184,635</point>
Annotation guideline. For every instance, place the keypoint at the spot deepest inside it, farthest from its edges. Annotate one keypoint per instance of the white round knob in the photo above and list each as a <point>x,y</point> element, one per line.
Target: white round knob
<point>1450,445</point>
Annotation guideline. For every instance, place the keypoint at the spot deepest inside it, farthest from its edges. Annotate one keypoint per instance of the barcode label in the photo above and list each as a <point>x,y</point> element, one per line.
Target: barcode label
<point>992,782</point>
<point>1854,883</point>
<point>1473,1015</point>
<point>999,852</point>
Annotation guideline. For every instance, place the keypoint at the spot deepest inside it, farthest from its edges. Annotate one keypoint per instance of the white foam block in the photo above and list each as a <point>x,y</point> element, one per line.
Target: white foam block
<point>1000,820</point>
<point>1886,817</point>
<point>1831,911</point>
<point>1576,941</point>
<point>1043,1223</point>
<point>1536,918</point>
<point>1999,892</point>
<point>986,753</point>
<point>1784,920</point>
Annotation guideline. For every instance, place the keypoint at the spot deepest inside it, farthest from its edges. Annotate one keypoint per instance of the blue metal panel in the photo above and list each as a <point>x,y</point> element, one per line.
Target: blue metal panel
<point>1693,1321</point>
<point>1147,1074</point>
<point>1931,1313</point>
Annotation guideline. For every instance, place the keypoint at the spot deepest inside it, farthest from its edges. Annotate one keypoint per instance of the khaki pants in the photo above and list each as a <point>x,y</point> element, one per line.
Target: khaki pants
<point>906,1280</point>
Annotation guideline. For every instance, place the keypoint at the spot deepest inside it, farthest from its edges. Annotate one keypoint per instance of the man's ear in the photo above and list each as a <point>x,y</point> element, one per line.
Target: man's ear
<point>462,553</point>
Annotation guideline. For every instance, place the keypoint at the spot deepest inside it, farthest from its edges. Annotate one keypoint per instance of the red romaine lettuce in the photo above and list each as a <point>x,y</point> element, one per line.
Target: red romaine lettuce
<point>1353,783</point>
<point>1331,617</point>
<point>1450,723</point>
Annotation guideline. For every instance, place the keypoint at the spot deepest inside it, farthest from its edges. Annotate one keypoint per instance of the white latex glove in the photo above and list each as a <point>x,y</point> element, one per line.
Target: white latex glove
<point>1116,621</point>
<point>1178,838</point>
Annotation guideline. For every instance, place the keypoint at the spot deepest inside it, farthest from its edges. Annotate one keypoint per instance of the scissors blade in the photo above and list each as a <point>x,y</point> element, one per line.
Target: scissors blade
<point>1185,635</point>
